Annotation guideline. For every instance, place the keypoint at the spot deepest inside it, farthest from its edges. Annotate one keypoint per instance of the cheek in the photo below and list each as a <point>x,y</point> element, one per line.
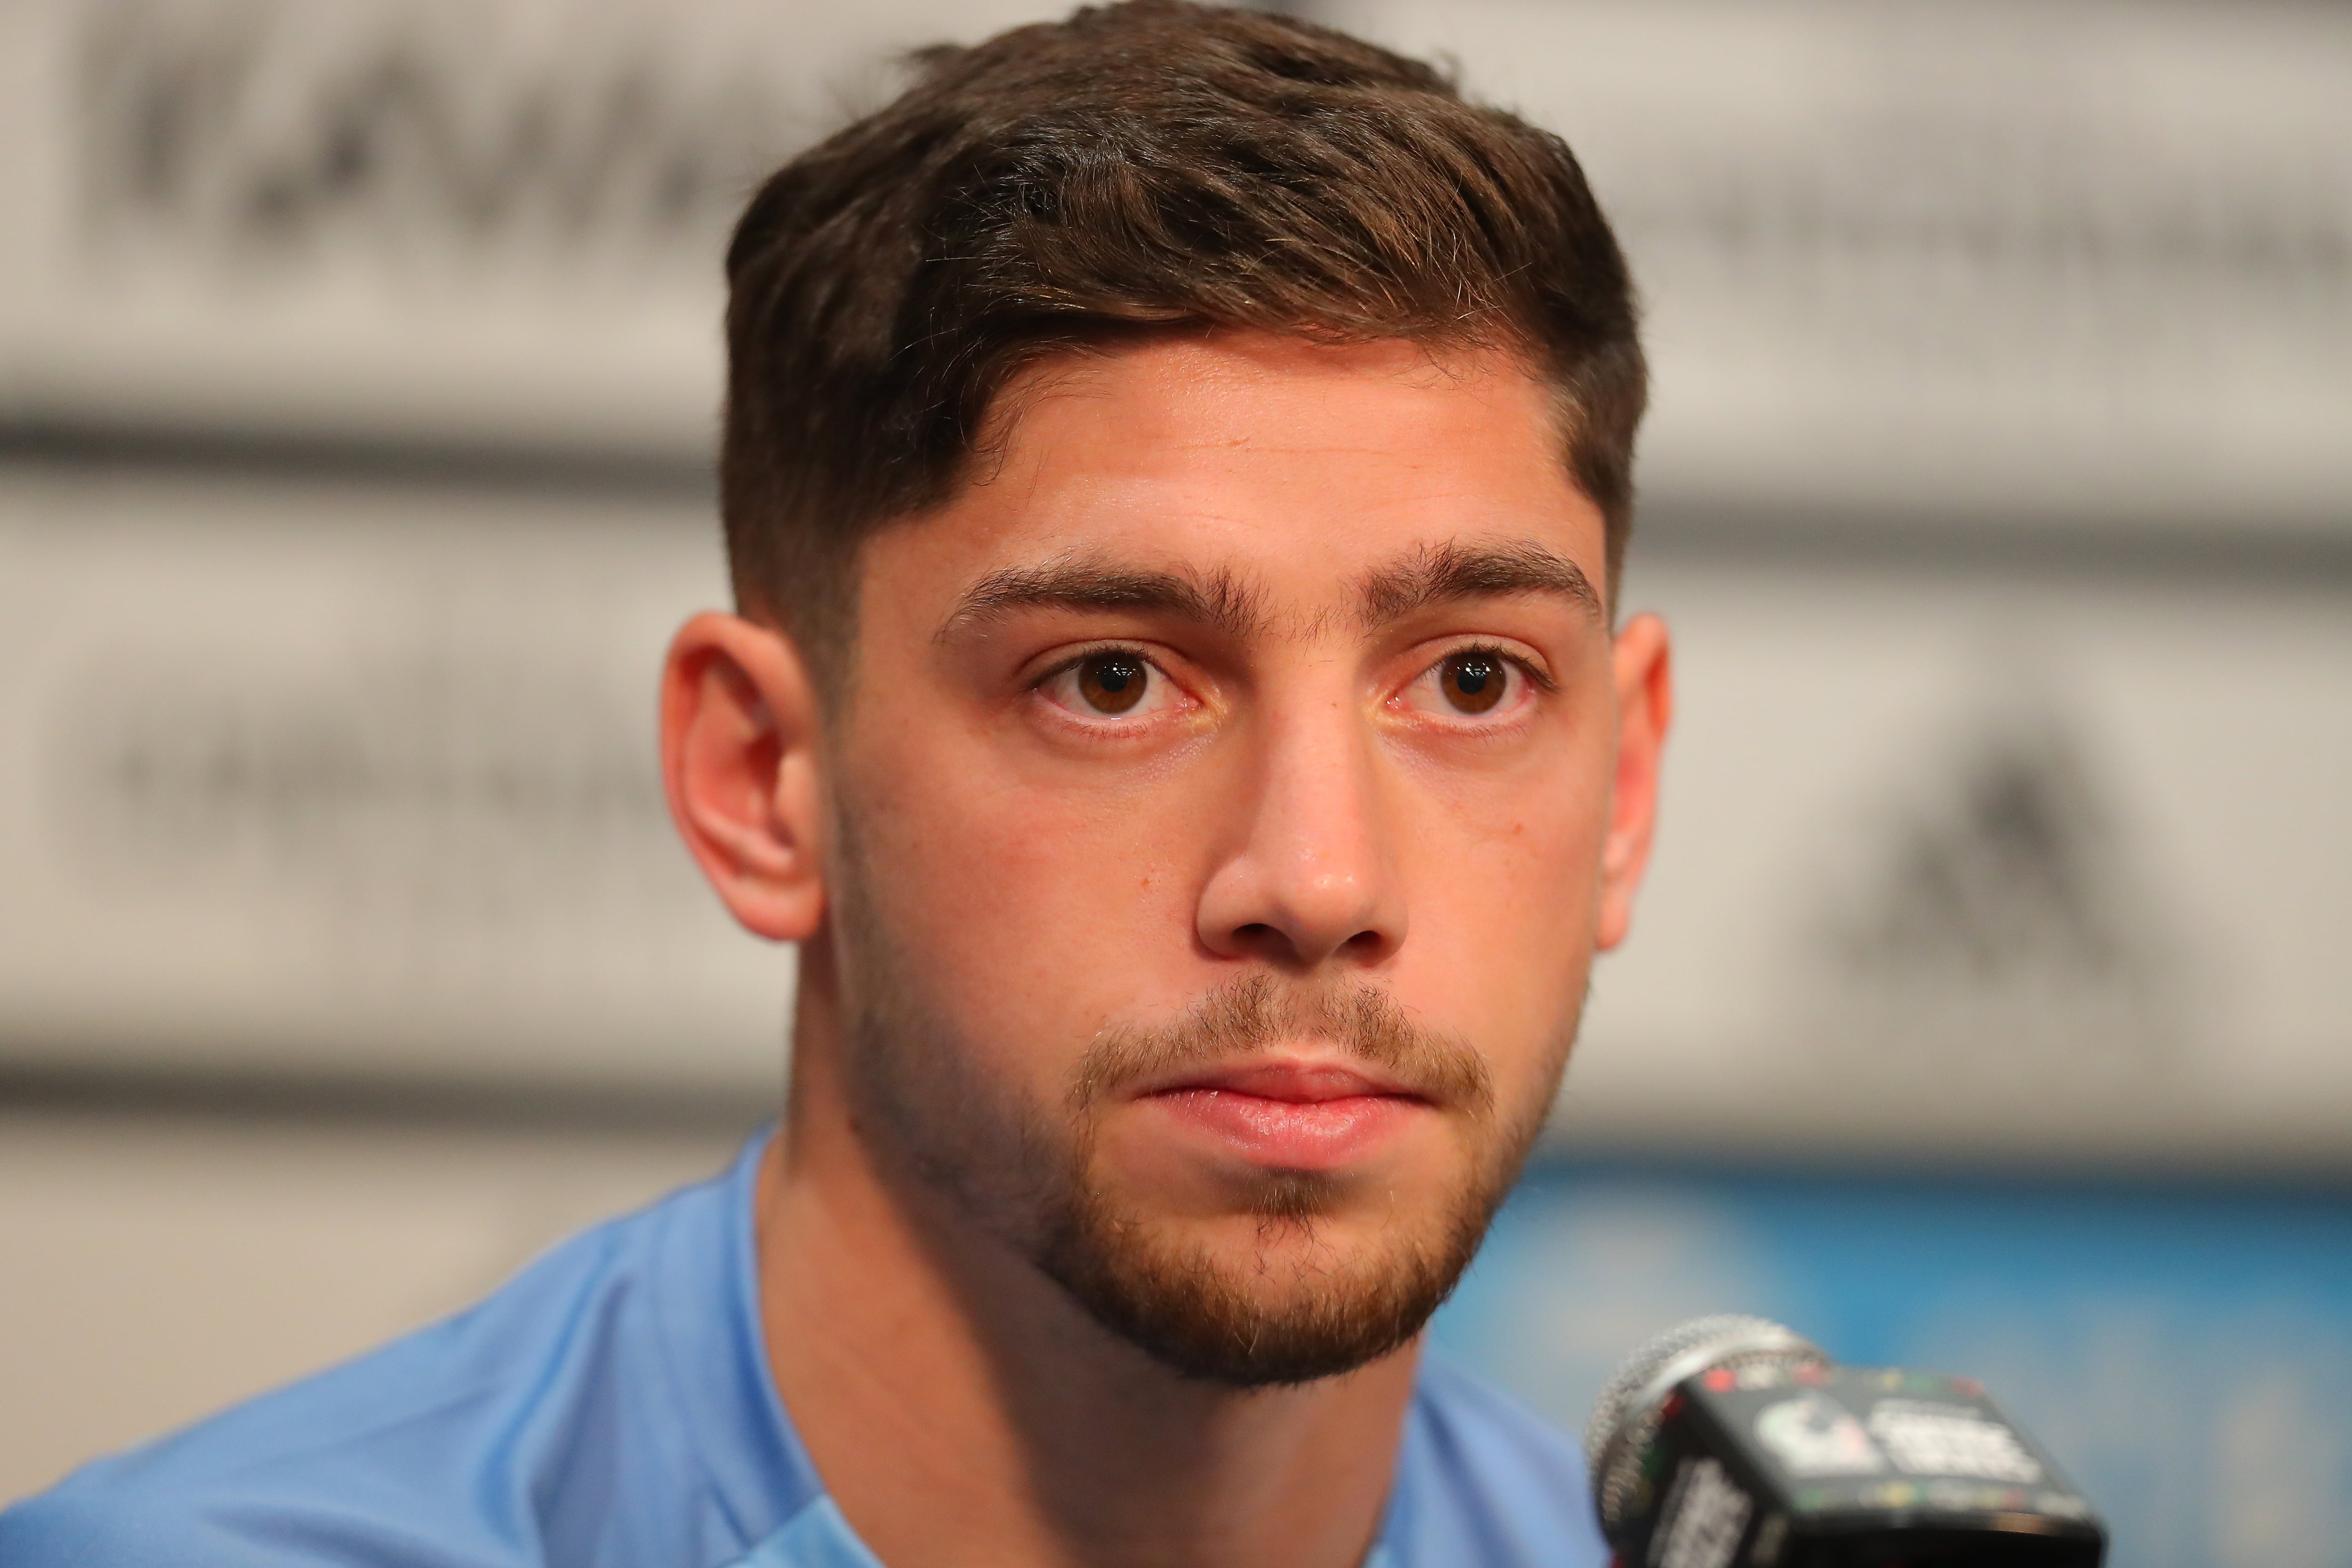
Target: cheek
<point>1032,917</point>
<point>1505,877</point>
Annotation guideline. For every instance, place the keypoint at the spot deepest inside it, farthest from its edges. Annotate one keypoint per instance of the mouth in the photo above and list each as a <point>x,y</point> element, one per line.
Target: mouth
<point>1289,1114</point>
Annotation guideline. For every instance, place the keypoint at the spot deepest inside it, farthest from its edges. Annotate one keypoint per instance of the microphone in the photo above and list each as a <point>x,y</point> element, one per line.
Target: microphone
<point>1732,1442</point>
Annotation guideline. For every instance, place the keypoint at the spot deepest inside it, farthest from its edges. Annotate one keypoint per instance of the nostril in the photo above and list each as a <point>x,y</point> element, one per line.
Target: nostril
<point>1265,941</point>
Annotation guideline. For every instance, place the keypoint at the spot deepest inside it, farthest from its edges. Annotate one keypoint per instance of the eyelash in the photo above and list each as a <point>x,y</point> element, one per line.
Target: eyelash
<point>1046,679</point>
<point>1529,670</point>
<point>1536,677</point>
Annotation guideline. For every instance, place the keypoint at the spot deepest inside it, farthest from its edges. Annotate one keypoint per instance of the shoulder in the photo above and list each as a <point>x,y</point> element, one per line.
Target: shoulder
<point>1484,1479</point>
<point>458,1446</point>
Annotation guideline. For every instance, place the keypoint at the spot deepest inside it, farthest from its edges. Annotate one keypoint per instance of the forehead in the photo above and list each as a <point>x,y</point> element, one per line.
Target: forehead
<point>1289,467</point>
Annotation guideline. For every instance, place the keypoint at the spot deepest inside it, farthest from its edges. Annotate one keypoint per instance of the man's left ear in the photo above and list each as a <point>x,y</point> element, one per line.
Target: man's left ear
<point>741,726</point>
<point>1645,705</point>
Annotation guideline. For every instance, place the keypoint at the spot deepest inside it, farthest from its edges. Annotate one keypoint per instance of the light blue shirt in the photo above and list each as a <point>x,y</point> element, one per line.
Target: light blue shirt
<point>612,1405</point>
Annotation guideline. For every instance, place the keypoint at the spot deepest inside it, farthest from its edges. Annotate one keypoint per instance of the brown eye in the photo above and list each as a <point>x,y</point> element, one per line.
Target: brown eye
<point>1113,682</point>
<point>1472,682</point>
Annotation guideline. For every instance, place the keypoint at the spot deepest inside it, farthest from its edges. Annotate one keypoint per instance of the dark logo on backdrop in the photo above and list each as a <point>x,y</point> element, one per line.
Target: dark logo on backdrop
<point>2002,919</point>
<point>257,130</point>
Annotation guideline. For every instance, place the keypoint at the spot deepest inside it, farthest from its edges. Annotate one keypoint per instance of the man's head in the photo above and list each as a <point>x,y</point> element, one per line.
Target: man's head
<point>1138,171</point>
<point>1176,472</point>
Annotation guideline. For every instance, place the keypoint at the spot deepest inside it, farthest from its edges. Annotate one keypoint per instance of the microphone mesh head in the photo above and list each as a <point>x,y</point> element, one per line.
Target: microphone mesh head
<point>1625,1418</point>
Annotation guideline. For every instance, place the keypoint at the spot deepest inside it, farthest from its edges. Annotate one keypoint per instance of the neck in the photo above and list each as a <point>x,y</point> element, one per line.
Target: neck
<point>963,1410</point>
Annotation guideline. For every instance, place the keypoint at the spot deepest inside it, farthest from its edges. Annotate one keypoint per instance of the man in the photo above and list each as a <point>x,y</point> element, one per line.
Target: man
<point>1176,474</point>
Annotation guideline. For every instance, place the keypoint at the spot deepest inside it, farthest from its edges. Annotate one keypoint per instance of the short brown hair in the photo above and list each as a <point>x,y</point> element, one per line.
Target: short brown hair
<point>1142,168</point>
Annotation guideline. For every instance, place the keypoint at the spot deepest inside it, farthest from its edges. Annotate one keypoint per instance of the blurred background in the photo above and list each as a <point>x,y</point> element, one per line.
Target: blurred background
<point>1990,1009</point>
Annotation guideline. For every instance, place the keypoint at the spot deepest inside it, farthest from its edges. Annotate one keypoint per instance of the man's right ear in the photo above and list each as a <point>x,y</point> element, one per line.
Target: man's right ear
<point>740,727</point>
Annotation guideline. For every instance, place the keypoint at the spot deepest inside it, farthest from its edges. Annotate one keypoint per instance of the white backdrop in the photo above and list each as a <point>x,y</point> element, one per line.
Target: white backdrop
<point>341,771</point>
<point>357,781</point>
<point>1970,863</point>
<point>2088,263</point>
<point>399,220</point>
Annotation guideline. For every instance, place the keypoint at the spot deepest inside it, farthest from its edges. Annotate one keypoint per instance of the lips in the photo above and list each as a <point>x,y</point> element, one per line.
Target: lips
<point>1290,1115</point>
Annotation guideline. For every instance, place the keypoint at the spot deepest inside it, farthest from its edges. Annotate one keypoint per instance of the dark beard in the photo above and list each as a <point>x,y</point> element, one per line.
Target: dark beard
<point>1026,1177</point>
<point>1173,1302</point>
<point>1178,1308</point>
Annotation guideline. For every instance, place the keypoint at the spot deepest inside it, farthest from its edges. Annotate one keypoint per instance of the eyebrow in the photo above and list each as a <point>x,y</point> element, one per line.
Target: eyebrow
<point>1215,599</point>
<point>1442,574</point>
<point>1431,575</point>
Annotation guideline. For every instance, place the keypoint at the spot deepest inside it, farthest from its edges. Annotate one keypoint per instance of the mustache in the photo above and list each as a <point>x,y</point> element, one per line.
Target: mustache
<point>1243,1015</point>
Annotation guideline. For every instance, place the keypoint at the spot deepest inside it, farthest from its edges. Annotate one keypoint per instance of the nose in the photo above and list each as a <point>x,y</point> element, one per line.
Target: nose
<point>1312,876</point>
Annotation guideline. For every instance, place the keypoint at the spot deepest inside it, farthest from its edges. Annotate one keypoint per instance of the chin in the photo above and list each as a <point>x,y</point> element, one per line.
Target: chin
<point>1303,1283</point>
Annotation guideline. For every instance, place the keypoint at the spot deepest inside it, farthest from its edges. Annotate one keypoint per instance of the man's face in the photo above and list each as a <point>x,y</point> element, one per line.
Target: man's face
<point>1220,814</point>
